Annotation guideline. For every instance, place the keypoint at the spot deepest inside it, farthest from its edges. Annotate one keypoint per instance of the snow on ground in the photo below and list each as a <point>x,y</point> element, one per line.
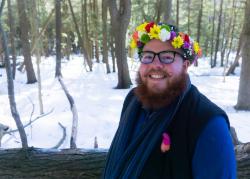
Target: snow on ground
<point>98,103</point>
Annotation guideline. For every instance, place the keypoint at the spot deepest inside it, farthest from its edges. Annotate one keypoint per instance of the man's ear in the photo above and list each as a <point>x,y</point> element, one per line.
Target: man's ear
<point>186,64</point>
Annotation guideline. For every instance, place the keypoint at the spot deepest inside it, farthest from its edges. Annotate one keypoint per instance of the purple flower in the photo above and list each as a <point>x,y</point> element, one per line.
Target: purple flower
<point>139,44</point>
<point>173,35</point>
<point>186,45</point>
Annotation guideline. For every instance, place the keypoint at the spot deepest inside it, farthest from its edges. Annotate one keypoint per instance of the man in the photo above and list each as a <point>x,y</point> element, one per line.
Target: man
<point>168,129</point>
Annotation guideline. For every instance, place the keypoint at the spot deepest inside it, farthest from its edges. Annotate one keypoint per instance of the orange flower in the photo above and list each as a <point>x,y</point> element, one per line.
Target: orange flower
<point>135,35</point>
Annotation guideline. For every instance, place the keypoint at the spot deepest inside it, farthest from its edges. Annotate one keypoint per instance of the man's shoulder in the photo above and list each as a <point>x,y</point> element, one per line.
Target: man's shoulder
<point>130,96</point>
<point>198,99</point>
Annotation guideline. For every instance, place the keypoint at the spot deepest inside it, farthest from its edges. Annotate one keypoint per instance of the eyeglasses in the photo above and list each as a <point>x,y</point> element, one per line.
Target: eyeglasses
<point>165,57</point>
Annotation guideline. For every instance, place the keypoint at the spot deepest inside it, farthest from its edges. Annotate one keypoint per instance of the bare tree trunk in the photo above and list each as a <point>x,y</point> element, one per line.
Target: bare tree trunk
<point>237,57</point>
<point>199,21</point>
<point>224,41</point>
<point>243,102</point>
<point>11,92</point>
<point>189,12</point>
<point>58,38</point>
<point>86,55</point>
<point>87,42</point>
<point>112,51</point>
<point>119,21</point>
<point>12,41</point>
<point>177,12</point>
<point>218,34</point>
<point>40,35</point>
<point>141,4</point>
<point>35,34</point>
<point>167,11</point>
<point>105,36</point>
<point>68,46</point>
<point>75,115</point>
<point>232,30</point>
<point>96,20</point>
<point>199,26</point>
<point>23,21</point>
<point>158,10</point>
<point>44,26</point>
<point>212,41</point>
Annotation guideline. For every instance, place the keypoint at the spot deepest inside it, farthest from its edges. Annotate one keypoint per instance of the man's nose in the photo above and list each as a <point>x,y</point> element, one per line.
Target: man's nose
<point>157,62</point>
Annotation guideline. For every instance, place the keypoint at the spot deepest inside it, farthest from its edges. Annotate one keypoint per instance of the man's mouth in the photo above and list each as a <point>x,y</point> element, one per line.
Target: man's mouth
<point>156,76</point>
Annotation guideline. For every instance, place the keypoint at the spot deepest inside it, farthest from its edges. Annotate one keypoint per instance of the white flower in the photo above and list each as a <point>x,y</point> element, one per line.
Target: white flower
<point>164,35</point>
<point>135,54</point>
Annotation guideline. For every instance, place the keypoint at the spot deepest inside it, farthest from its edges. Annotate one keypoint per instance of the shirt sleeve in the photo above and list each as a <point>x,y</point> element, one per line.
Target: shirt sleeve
<point>214,153</point>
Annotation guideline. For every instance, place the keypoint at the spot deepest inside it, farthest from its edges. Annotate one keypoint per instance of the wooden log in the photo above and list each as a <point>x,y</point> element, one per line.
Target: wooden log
<point>44,163</point>
<point>77,163</point>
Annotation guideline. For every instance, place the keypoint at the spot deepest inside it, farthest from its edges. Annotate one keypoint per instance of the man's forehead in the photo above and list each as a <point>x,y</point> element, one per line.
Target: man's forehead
<point>156,46</point>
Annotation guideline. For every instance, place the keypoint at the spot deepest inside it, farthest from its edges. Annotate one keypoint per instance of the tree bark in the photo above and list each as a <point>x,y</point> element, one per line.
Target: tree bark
<point>78,163</point>
<point>37,46</point>
<point>112,50</point>
<point>11,92</point>
<point>189,15</point>
<point>237,57</point>
<point>96,24</point>
<point>199,21</point>
<point>105,36</point>
<point>85,53</point>
<point>158,10</point>
<point>243,102</point>
<point>12,41</point>
<point>212,40</point>
<point>23,21</point>
<point>58,22</point>
<point>167,11</point>
<point>44,27</point>
<point>177,12</point>
<point>56,164</point>
<point>218,35</point>
<point>119,21</point>
<point>232,30</point>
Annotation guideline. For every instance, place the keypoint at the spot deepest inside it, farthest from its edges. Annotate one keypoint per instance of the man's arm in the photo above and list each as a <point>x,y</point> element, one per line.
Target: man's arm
<point>214,153</point>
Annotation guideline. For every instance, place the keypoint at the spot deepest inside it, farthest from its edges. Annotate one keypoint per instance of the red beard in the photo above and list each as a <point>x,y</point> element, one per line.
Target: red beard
<point>161,99</point>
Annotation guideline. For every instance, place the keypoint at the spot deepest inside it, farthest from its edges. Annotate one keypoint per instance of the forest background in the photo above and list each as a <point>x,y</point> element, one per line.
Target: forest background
<point>65,69</point>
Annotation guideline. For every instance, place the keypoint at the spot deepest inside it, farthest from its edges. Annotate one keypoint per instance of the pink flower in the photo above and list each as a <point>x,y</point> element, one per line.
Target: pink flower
<point>165,144</point>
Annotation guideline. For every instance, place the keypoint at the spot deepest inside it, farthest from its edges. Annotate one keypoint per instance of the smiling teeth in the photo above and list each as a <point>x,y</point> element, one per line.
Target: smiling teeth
<point>157,76</point>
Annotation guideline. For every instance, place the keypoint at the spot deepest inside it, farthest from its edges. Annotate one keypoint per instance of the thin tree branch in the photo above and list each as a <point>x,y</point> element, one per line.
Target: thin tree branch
<point>63,137</point>
<point>38,117</point>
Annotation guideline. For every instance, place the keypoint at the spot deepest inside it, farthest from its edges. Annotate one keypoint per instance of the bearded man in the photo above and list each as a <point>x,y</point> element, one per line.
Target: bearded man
<point>168,129</point>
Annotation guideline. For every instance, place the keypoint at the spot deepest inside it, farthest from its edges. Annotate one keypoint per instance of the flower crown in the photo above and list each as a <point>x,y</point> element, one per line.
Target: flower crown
<point>165,32</point>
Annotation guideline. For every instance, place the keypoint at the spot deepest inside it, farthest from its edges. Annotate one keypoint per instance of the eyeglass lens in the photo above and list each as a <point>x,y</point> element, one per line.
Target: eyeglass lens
<point>164,57</point>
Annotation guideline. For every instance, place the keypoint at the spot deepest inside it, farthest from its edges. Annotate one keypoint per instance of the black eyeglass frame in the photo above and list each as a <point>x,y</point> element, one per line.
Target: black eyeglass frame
<point>158,54</point>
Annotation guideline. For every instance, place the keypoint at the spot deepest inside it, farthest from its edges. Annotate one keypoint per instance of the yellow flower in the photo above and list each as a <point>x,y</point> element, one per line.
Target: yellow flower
<point>133,44</point>
<point>142,27</point>
<point>196,47</point>
<point>154,32</point>
<point>177,42</point>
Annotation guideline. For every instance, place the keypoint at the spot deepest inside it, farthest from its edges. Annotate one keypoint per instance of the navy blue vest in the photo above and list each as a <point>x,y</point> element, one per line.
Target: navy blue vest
<point>143,158</point>
<point>190,120</point>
